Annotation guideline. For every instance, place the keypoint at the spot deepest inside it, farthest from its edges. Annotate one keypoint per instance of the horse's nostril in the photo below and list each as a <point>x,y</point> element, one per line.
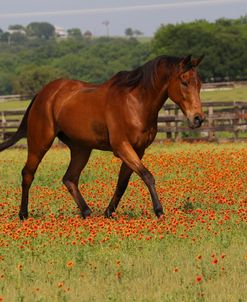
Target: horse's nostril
<point>198,120</point>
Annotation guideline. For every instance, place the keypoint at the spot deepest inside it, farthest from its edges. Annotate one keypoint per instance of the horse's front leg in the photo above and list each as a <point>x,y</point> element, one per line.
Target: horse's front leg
<point>129,156</point>
<point>123,180</point>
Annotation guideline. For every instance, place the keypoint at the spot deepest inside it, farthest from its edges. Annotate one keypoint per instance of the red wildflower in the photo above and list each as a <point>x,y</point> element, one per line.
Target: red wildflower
<point>119,275</point>
<point>198,279</point>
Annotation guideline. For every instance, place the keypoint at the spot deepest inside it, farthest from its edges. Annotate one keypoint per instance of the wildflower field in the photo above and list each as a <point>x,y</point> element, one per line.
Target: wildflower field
<point>196,252</point>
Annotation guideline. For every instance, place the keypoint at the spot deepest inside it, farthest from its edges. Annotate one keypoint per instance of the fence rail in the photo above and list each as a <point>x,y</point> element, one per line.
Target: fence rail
<point>15,97</point>
<point>224,121</point>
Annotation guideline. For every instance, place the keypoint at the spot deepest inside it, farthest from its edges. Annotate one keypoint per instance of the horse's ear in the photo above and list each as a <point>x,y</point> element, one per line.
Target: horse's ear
<point>186,61</point>
<point>185,64</point>
<point>196,62</point>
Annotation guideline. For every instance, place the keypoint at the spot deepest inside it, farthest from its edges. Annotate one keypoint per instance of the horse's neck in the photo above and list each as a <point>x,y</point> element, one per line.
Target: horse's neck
<point>159,91</point>
<point>155,99</point>
<point>150,103</point>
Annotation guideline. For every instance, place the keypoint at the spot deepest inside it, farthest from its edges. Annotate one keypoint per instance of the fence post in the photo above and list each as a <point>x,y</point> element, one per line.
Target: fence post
<point>3,125</point>
<point>176,136</point>
<point>237,112</point>
<point>211,134</point>
<point>168,133</point>
<point>168,125</point>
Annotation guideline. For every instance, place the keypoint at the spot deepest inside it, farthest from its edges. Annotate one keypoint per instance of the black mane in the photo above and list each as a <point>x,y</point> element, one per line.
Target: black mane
<point>144,75</point>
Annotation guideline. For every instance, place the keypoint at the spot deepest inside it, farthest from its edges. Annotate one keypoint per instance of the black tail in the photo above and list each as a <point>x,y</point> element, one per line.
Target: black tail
<point>20,133</point>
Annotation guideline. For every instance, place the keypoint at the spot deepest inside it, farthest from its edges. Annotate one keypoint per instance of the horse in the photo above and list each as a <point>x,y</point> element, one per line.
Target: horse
<point>119,115</point>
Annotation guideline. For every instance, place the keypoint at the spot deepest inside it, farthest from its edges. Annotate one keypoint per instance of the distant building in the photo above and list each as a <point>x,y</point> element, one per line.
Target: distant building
<point>16,31</point>
<point>61,32</point>
<point>87,34</point>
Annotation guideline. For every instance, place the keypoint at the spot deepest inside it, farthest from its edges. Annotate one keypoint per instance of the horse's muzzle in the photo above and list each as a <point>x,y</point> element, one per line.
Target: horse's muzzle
<point>196,121</point>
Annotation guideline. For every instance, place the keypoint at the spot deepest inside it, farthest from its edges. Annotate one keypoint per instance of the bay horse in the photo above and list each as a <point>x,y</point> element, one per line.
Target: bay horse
<point>119,115</point>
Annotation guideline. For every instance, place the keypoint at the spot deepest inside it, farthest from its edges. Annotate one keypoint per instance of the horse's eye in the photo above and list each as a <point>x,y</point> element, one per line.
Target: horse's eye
<point>184,83</point>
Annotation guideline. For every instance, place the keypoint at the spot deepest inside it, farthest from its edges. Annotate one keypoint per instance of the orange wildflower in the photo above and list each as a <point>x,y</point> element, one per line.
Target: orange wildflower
<point>60,284</point>
<point>70,264</point>
<point>20,267</point>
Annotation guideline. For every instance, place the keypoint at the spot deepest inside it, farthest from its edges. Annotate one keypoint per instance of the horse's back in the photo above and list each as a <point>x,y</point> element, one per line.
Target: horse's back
<point>48,103</point>
<point>80,114</point>
<point>73,109</point>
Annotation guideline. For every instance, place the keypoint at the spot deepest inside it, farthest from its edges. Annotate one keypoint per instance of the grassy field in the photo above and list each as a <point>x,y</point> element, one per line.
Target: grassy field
<point>197,252</point>
<point>239,93</point>
<point>13,105</point>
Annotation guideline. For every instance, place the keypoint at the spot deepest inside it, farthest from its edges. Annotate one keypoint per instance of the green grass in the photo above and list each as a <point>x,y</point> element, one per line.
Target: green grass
<point>238,93</point>
<point>14,105</point>
<point>57,256</point>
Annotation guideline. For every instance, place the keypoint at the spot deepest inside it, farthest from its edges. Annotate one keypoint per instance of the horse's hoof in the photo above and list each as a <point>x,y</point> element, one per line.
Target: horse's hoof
<point>23,216</point>
<point>108,213</point>
<point>86,213</point>
<point>159,213</point>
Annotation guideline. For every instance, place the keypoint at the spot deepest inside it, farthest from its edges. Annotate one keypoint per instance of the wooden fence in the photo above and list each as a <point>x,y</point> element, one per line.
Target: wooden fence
<point>224,121</point>
<point>13,97</point>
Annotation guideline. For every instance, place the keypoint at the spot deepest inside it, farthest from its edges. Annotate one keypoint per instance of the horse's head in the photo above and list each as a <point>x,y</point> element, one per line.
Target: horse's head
<point>184,90</point>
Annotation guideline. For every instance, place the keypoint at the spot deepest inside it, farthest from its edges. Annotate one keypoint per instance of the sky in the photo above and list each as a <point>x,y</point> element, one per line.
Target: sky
<point>144,15</point>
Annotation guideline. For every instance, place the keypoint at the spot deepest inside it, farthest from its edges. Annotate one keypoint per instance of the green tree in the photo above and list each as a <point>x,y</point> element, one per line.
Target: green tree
<point>5,37</point>
<point>137,32</point>
<point>17,27</point>
<point>129,32</point>
<point>6,83</point>
<point>41,30</point>
<point>75,33</point>
<point>95,60</point>
<point>223,42</point>
<point>18,38</point>
<point>31,79</point>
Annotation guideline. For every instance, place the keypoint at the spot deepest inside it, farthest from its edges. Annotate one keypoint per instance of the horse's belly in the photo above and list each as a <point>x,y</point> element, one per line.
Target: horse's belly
<point>93,135</point>
<point>100,135</point>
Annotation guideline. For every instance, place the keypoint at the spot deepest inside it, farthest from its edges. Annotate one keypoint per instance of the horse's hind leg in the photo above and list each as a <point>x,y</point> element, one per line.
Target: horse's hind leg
<point>79,159</point>
<point>123,180</point>
<point>35,155</point>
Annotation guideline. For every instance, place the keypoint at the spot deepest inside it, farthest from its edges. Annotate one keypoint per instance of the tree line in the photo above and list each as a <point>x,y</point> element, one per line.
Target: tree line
<point>33,55</point>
